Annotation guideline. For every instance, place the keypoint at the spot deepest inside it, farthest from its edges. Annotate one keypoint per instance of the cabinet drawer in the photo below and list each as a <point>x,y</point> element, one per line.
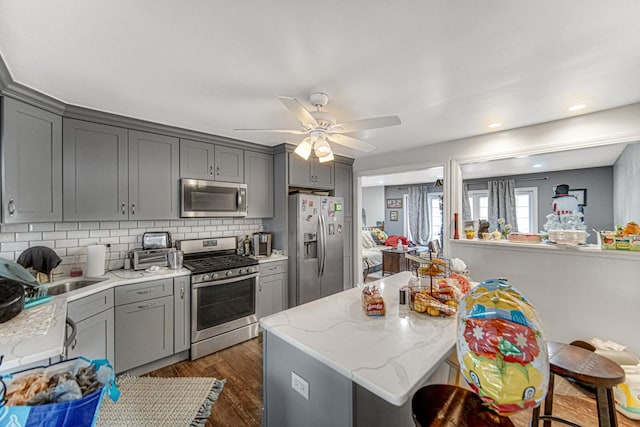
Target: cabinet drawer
<point>90,306</point>
<point>143,291</point>
<point>270,268</point>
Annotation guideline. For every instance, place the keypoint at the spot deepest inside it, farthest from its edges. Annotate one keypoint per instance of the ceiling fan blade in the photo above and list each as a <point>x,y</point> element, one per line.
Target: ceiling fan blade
<point>372,123</point>
<point>292,131</point>
<point>298,110</point>
<point>350,142</point>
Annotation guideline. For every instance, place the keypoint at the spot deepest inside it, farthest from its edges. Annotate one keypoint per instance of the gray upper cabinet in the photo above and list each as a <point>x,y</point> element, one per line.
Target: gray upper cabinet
<point>153,176</point>
<point>259,180</point>
<point>95,171</point>
<point>196,159</point>
<point>344,189</point>
<point>310,173</point>
<point>202,160</point>
<point>110,173</point>
<point>229,164</point>
<point>32,164</point>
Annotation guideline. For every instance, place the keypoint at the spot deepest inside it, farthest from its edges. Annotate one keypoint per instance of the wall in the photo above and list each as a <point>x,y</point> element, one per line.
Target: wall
<point>598,182</point>
<point>394,227</point>
<point>626,175</point>
<point>69,239</point>
<point>374,204</point>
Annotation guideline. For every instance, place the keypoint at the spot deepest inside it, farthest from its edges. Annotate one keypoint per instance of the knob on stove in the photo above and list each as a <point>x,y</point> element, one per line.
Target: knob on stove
<point>229,273</point>
<point>241,271</point>
<point>206,277</point>
<point>214,276</point>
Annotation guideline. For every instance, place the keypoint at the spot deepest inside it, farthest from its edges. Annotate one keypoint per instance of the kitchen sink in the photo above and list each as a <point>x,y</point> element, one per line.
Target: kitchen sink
<point>63,288</point>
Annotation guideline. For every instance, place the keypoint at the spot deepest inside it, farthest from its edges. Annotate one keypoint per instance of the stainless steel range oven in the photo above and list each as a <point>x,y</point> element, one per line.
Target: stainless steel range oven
<point>224,294</point>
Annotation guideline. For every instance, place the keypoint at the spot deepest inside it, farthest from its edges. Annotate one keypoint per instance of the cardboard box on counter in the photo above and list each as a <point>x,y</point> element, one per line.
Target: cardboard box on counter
<point>627,243</point>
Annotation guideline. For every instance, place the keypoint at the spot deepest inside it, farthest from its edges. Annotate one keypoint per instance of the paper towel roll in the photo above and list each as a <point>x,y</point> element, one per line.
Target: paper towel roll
<point>95,260</point>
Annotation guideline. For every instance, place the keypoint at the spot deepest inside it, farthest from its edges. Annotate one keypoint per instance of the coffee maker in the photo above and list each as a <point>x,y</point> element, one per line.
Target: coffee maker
<point>261,244</point>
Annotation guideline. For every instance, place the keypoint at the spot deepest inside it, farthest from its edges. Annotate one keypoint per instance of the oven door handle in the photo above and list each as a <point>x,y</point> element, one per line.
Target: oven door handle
<point>225,281</point>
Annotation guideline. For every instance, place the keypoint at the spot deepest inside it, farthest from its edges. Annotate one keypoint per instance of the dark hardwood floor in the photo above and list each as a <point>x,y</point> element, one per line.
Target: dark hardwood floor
<point>240,403</point>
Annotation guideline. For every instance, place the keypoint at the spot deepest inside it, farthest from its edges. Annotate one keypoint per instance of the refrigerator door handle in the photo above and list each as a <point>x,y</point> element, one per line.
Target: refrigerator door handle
<point>320,246</point>
<point>324,245</point>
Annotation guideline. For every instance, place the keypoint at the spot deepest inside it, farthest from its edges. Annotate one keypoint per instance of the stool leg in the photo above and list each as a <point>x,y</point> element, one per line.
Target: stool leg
<point>606,407</point>
<point>548,401</point>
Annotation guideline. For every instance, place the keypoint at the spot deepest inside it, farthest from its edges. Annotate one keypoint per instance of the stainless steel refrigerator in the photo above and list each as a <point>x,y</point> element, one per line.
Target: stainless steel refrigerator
<point>316,230</point>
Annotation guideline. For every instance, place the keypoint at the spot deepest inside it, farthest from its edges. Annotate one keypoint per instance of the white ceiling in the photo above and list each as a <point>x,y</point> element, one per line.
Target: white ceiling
<point>446,68</point>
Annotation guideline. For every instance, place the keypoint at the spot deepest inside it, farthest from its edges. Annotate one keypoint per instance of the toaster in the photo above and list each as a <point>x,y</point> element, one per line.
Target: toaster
<point>156,240</point>
<point>141,259</point>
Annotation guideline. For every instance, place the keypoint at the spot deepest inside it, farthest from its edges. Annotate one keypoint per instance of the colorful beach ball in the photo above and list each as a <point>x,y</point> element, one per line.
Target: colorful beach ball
<point>501,347</point>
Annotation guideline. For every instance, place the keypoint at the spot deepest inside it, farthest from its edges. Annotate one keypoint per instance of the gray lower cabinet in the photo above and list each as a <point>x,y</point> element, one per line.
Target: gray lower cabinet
<point>94,320</point>
<point>31,163</point>
<point>110,173</point>
<point>273,279</point>
<point>310,173</point>
<point>182,314</point>
<point>259,179</point>
<point>144,323</point>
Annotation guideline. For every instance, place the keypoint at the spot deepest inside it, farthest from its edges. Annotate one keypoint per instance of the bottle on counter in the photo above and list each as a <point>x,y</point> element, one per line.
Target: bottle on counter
<point>246,245</point>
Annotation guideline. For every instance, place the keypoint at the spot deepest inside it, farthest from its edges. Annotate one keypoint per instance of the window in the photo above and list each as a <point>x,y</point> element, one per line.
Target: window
<point>435,214</point>
<point>526,207</point>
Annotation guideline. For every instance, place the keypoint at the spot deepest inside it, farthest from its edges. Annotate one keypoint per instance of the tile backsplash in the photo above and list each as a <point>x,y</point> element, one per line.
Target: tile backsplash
<point>69,239</point>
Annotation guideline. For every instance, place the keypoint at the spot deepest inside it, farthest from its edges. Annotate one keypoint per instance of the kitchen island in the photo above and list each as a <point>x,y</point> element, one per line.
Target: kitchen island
<point>327,363</point>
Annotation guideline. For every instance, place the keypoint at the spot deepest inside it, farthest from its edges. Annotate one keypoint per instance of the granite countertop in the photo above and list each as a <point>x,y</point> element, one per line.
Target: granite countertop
<point>46,341</point>
<point>390,356</point>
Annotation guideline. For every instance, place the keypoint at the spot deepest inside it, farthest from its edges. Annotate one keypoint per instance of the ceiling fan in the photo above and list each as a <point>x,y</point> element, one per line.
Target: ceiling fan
<point>322,128</point>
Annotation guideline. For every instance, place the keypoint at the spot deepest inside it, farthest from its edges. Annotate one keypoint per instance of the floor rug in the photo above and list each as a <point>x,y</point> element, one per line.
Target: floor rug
<point>152,401</point>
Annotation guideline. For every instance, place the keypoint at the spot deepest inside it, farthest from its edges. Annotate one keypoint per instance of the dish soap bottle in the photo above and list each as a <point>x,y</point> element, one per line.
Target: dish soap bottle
<point>246,244</point>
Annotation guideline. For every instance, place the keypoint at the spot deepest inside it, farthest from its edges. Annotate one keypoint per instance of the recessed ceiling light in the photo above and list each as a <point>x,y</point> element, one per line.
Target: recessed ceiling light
<point>537,165</point>
<point>494,125</point>
<point>577,107</point>
<point>380,182</point>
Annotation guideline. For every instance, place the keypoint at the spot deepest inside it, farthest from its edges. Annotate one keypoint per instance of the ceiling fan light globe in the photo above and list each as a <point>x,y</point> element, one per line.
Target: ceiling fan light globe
<point>303,149</point>
<point>327,158</point>
<point>322,147</point>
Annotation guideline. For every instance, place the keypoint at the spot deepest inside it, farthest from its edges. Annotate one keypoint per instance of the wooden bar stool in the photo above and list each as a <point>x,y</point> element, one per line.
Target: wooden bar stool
<point>446,405</point>
<point>586,368</point>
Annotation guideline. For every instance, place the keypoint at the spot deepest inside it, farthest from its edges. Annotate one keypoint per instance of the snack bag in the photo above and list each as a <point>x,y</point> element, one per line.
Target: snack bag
<point>501,348</point>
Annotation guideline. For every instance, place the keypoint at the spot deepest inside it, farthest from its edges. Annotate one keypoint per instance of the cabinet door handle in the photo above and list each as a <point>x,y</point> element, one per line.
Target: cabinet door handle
<point>260,287</point>
<point>146,291</point>
<point>271,268</point>
<point>211,170</point>
<point>124,208</point>
<point>151,304</point>
<point>133,208</point>
<point>11,207</point>
<point>182,292</point>
<point>218,170</point>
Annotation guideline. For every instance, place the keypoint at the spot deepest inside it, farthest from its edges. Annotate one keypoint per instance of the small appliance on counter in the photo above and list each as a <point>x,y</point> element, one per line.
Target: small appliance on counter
<point>175,259</point>
<point>156,240</point>
<point>141,259</point>
<point>261,244</point>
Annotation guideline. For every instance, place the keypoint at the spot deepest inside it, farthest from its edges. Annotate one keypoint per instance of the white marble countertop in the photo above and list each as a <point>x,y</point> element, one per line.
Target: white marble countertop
<point>390,356</point>
<point>272,258</point>
<point>39,348</point>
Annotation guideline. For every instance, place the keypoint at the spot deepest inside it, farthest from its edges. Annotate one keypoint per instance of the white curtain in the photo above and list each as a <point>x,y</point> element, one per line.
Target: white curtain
<point>502,203</point>
<point>419,226</point>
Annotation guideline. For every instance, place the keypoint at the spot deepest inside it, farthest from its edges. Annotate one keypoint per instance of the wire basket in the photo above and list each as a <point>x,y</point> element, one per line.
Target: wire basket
<point>433,295</point>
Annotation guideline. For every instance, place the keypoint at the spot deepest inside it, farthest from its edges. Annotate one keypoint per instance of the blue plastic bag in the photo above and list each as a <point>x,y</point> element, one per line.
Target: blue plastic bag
<point>77,413</point>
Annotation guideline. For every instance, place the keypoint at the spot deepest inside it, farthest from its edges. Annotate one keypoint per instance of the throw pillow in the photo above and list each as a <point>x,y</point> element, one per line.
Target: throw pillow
<point>367,240</point>
<point>379,236</point>
<point>393,241</point>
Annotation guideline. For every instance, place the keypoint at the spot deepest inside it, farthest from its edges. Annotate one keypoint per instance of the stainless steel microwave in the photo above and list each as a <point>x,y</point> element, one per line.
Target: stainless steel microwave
<point>201,198</point>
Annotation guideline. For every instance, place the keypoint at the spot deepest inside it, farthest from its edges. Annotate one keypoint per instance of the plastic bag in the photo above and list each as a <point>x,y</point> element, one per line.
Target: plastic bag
<point>501,348</point>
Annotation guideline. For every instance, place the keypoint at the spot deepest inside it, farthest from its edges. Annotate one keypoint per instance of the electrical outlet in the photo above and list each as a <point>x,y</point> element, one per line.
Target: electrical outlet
<point>300,385</point>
